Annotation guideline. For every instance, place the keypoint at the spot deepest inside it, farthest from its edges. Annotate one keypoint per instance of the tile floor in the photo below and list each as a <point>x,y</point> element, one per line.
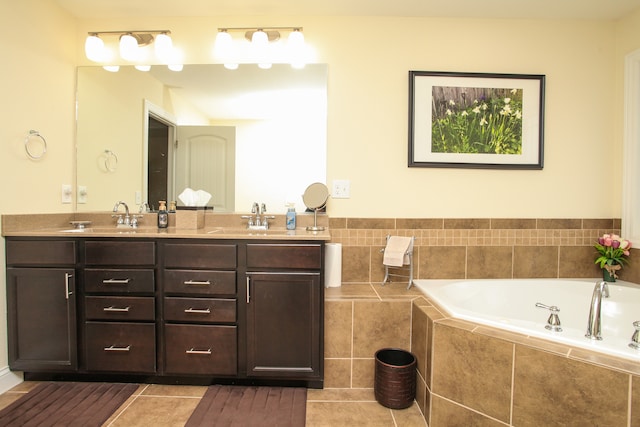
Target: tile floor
<point>171,405</point>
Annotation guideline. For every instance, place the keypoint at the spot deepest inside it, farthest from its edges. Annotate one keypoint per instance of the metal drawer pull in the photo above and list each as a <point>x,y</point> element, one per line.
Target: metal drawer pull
<point>116,281</point>
<point>194,351</point>
<point>67,285</point>
<point>115,348</point>
<point>116,309</point>
<point>197,282</point>
<point>198,310</point>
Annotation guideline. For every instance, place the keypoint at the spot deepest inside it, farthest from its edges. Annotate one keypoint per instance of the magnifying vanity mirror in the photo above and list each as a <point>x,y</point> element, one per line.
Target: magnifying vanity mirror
<point>246,135</point>
<point>315,198</point>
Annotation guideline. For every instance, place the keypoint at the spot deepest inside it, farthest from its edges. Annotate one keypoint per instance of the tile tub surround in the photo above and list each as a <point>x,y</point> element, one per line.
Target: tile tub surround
<point>448,248</point>
<point>474,375</point>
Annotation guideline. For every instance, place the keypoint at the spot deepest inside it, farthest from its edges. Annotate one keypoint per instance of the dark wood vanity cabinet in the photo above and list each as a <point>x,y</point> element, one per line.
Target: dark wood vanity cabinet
<point>41,305</point>
<point>119,306</point>
<point>284,306</point>
<point>235,310</point>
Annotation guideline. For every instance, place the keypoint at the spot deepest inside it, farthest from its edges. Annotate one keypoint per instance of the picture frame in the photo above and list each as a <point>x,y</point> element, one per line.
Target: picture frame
<point>476,120</point>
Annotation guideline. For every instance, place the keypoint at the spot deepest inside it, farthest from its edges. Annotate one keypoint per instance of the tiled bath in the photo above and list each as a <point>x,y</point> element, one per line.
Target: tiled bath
<point>475,375</point>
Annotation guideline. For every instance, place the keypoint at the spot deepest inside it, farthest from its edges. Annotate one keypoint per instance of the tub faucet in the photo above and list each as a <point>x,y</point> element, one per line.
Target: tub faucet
<point>594,326</point>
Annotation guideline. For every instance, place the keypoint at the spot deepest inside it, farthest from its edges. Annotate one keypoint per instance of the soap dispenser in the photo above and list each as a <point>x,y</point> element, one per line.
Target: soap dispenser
<point>291,217</point>
<point>163,215</point>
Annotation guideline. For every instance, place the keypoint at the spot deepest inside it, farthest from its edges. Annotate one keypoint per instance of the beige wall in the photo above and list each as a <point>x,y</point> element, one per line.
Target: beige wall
<point>367,115</point>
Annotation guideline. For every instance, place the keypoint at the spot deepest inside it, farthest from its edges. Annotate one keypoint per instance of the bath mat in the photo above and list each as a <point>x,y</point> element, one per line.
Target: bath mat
<point>66,404</point>
<point>237,406</point>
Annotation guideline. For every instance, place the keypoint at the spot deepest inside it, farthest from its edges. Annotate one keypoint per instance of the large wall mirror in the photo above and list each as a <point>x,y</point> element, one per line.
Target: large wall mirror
<point>246,135</point>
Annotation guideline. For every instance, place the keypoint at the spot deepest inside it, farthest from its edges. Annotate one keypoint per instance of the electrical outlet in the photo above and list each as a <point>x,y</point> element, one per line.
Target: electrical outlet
<point>341,189</point>
<point>67,193</point>
<point>138,197</point>
<point>82,194</point>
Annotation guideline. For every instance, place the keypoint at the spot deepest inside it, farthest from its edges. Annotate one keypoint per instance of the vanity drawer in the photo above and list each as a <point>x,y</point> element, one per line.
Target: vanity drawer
<point>114,281</point>
<point>200,349</point>
<point>200,282</point>
<point>120,308</point>
<point>199,310</point>
<point>121,347</point>
<point>41,253</point>
<point>269,256</point>
<point>120,253</point>
<point>206,256</point>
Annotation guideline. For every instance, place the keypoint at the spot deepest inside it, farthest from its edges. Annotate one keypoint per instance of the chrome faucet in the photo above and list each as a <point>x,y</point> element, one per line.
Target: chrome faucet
<point>594,326</point>
<point>257,222</point>
<point>126,221</point>
<point>144,207</point>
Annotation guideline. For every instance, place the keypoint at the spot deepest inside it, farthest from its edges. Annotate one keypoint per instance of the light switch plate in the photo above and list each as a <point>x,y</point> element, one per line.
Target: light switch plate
<point>341,189</point>
<point>67,193</point>
<point>82,194</point>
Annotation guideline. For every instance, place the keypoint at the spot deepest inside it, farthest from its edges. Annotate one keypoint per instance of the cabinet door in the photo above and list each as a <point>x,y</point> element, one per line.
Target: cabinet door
<point>284,325</point>
<point>41,308</point>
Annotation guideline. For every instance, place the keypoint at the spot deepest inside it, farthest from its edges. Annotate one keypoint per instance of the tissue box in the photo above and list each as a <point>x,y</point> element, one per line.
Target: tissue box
<point>191,217</point>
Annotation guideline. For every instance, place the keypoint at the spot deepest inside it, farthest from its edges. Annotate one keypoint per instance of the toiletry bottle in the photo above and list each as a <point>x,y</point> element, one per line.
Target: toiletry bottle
<point>163,215</point>
<point>172,206</point>
<point>291,217</point>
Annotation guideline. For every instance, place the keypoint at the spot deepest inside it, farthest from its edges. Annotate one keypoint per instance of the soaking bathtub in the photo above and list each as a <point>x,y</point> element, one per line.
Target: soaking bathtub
<point>510,304</point>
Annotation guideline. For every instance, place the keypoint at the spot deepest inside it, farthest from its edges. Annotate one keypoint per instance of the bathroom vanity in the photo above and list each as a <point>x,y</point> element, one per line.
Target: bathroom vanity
<point>195,307</point>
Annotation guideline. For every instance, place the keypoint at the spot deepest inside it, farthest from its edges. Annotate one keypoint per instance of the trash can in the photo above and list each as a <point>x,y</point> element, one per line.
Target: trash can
<point>395,378</point>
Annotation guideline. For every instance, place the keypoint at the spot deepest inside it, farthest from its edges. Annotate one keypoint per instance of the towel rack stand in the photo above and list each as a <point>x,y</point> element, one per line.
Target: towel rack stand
<point>390,271</point>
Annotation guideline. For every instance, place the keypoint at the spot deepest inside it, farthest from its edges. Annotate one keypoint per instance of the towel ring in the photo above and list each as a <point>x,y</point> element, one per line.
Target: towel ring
<point>110,161</point>
<point>27,143</point>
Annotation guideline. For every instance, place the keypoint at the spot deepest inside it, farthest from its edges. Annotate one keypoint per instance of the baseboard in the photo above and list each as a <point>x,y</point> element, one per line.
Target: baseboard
<point>9,379</point>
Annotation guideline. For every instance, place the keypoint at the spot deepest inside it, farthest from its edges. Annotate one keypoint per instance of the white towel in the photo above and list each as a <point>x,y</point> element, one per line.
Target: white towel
<point>395,253</point>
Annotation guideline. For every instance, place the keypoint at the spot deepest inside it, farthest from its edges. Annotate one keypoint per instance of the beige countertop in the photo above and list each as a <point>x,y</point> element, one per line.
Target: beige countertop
<point>216,227</point>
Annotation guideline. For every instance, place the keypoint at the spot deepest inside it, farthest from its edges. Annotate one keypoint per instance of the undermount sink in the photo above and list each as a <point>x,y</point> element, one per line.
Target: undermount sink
<point>108,230</point>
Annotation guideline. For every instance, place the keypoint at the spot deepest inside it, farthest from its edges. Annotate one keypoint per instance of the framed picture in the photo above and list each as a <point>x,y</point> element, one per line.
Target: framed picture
<point>476,120</point>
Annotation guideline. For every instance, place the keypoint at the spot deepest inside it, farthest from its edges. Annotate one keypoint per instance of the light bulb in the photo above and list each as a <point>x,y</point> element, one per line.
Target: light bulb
<point>128,47</point>
<point>295,46</point>
<point>223,43</point>
<point>112,68</point>
<point>94,48</point>
<point>175,67</point>
<point>163,46</point>
<point>259,39</point>
<point>231,66</point>
<point>143,67</point>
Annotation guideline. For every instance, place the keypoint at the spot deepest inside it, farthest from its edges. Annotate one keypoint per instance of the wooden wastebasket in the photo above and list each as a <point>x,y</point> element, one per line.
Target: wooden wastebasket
<point>395,378</point>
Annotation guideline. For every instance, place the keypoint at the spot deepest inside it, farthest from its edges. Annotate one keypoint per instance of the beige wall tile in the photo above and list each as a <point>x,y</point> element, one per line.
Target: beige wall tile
<point>473,370</point>
<point>363,373</point>
<point>441,262</point>
<point>448,414</point>
<point>467,223</point>
<point>513,223</point>
<point>355,263</point>
<point>419,337</point>
<point>578,262</point>
<point>554,223</point>
<point>550,389</point>
<point>380,324</point>
<point>535,261</point>
<point>635,402</point>
<point>489,262</point>
<point>338,326</point>
<point>421,394</point>
<point>337,373</point>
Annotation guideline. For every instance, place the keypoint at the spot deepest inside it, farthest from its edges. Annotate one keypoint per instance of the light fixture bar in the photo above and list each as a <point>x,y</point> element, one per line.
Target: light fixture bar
<point>259,28</point>
<point>97,33</point>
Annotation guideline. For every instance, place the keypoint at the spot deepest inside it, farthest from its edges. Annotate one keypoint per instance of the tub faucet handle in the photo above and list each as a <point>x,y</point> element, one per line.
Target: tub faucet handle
<point>635,338</point>
<point>553,322</point>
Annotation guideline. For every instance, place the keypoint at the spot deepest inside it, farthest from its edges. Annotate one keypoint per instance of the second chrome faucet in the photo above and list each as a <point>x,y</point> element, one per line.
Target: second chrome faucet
<point>594,325</point>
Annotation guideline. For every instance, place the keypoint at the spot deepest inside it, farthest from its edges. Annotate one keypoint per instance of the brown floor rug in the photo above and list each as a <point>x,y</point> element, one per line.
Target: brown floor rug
<point>66,404</point>
<point>236,406</point>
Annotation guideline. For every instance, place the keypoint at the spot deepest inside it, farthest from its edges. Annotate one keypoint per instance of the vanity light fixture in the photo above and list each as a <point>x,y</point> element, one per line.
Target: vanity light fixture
<point>263,48</point>
<point>130,44</point>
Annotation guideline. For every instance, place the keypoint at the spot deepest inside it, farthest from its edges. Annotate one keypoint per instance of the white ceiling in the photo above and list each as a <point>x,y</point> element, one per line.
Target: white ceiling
<point>552,9</point>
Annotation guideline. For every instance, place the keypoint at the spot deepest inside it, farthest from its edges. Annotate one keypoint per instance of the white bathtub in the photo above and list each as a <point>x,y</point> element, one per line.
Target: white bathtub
<point>510,304</point>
